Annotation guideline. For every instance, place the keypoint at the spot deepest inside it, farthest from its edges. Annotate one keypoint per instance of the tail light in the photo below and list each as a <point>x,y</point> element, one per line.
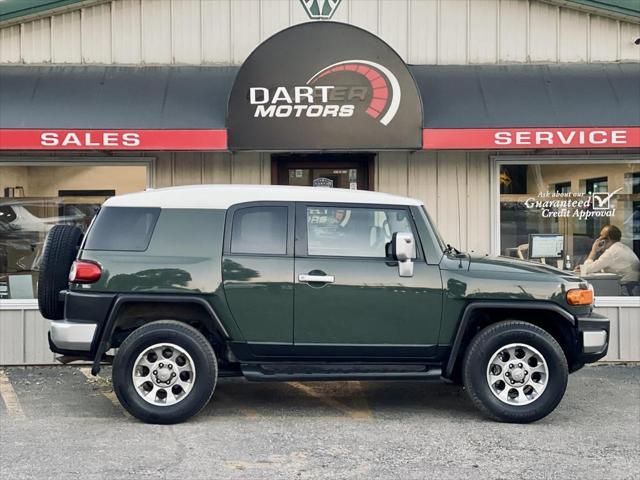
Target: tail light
<point>83,271</point>
<point>580,296</point>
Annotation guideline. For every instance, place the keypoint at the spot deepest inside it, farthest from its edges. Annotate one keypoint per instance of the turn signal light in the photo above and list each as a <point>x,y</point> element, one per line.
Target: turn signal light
<point>580,296</point>
<point>84,272</point>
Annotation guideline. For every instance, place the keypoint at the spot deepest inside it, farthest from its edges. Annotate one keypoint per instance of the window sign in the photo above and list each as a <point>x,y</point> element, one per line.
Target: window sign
<point>323,182</point>
<point>589,211</point>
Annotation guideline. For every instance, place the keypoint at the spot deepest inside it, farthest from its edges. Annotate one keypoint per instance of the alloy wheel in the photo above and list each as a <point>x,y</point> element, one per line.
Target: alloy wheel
<point>163,374</point>
<point>517,374</point>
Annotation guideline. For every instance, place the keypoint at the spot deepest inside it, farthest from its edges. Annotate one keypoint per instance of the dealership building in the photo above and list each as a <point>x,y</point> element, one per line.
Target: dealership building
<point>517,122</point>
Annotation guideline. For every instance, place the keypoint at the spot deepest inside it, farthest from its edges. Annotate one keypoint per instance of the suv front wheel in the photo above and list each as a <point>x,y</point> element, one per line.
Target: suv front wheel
<point>165,372</point>
<point>515,372</point>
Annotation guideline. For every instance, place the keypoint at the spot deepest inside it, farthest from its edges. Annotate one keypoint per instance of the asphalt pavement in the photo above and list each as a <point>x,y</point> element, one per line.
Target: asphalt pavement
<point>60,423</point>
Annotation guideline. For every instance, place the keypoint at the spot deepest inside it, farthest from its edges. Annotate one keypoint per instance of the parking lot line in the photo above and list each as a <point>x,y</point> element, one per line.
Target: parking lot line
<point>362,409</point>
<point>358,413</point>
<point>9,396</point>
<point>109,394</point>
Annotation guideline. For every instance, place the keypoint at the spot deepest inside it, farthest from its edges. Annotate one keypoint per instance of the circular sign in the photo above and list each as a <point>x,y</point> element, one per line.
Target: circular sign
<point>324,86</point>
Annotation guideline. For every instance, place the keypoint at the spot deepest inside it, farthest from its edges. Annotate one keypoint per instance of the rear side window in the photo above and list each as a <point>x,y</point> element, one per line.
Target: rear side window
<point>259,230</point>
<point>122,228</point>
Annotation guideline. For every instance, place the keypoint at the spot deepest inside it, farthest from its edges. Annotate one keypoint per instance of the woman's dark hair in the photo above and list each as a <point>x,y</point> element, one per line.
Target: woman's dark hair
<point>613,233</point>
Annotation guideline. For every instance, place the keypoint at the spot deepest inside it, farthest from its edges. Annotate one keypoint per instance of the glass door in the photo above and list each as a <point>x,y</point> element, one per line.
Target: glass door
<point>349,171</point>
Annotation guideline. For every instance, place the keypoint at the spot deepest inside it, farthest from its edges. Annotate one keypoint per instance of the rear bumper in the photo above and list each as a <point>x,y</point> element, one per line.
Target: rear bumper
<point>67,335</point>
<point>593,337</point>
<point>84,315</point>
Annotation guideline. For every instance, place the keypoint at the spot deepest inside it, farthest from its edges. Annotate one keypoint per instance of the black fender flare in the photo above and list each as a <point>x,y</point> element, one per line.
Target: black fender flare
<point>506,305</point>
<point>102,339</point>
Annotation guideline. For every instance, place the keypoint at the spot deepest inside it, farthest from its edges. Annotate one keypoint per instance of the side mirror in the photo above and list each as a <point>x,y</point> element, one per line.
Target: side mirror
<point>403,249</point>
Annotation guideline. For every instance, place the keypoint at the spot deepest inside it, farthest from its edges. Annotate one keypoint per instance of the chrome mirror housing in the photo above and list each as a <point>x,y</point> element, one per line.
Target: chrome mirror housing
<point>404,251</point>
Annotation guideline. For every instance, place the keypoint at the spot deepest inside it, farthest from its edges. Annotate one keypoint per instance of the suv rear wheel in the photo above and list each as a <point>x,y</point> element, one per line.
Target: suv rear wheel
<point>165,372</point>
<point>515,372</point>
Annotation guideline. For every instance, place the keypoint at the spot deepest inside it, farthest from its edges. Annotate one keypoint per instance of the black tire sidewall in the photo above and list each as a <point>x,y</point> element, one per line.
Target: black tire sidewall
<point>477,360</point>
<point>60,250</point>
<point>205,367</point>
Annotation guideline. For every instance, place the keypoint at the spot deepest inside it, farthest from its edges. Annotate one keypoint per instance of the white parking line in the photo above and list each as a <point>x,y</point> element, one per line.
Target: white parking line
<point>360,412</point>
<point>9,396</point>
<point>110,394</point>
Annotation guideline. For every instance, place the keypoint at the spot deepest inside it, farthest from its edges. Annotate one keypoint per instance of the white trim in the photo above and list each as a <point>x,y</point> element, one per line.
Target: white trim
<point>19,304</point>
<point>223,196</point>
<point>617,301</point>
<point>532,159</point>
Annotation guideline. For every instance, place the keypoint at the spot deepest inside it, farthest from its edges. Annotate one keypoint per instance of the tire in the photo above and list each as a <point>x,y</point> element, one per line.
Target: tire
<point>181,337</point>
<point>60,250</point>
<point>531,400</point>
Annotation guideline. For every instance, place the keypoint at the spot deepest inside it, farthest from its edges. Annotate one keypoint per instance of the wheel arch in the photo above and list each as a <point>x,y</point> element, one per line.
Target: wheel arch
<point>131,311</point>
<point>558,322</point>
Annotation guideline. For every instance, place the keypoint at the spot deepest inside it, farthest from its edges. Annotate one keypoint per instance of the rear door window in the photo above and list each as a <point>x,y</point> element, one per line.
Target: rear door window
<point>260,230</point>
<point>122,228</point>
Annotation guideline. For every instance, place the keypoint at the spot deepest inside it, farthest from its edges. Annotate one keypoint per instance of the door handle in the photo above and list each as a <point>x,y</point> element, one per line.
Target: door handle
<point>317,278</point>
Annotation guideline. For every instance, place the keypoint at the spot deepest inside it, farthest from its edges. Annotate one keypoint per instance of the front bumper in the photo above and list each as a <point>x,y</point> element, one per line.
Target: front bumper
<point>593,336</point>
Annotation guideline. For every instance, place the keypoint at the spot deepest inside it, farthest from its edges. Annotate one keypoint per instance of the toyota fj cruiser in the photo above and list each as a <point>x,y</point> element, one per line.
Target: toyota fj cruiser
<point>187,284</point>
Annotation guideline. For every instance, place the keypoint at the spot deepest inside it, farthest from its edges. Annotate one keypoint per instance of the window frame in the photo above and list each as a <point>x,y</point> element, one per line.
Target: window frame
<point>301,242</point>
<point>531,159</point>
<point>228,228</point>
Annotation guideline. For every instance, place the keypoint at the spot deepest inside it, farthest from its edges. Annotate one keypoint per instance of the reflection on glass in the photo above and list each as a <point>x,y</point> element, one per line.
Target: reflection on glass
<point>38,197</point>
<point>593,207</point>
<point>324,177</point>
<point>353,232</point>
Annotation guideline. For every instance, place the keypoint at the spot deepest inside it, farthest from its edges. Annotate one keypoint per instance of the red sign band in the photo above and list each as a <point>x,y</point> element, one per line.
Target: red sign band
<point>432,139</point>
<point>40,139</point>
<point>525,138</point>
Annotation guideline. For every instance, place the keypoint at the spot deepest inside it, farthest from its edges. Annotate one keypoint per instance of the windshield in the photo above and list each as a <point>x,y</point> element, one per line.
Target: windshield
<point>441,243</point>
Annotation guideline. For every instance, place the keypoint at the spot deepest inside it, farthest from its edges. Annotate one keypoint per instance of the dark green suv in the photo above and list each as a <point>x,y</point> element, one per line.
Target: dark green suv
<point>292,283</point>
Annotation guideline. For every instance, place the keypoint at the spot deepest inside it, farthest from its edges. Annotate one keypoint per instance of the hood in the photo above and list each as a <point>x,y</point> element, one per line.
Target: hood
<point>506,278</point>
<point>513,265</point>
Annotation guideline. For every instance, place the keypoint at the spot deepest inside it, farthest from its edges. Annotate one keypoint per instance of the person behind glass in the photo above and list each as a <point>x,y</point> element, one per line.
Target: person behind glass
<point>608,254</point>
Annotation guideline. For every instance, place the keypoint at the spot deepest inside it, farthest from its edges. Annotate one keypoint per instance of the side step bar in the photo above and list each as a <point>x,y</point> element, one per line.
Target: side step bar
<point>278,372</point>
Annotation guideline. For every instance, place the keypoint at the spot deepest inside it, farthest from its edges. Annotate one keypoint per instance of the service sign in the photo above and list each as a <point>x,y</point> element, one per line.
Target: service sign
<point>531,138</point>
<point>324,86</point>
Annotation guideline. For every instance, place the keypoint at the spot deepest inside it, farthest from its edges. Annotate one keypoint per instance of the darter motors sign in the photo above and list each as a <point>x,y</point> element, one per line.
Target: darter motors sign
<point>382,92</point>
<point>324,86</point>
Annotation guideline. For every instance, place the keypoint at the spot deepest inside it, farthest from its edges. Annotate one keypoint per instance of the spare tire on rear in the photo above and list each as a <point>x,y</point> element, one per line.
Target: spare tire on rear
<point>60,250</point>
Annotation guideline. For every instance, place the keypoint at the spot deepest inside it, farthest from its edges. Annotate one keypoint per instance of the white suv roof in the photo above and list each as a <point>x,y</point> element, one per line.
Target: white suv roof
<point>224,196</point>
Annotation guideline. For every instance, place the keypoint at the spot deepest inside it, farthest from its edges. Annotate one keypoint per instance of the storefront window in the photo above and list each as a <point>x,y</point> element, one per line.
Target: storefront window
<point>35,198</point>
<point>582,216</point>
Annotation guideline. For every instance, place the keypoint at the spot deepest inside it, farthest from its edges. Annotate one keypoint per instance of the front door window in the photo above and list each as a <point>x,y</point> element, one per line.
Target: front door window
<point>353,232</point>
